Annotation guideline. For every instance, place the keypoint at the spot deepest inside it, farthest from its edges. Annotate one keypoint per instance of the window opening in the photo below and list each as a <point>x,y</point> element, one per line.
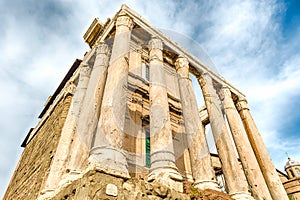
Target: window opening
<point>145,71</point>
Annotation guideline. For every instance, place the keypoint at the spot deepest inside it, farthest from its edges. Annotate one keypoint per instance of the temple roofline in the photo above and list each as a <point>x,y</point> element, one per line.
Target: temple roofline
<point>195,63</point>
<point>50,101</point>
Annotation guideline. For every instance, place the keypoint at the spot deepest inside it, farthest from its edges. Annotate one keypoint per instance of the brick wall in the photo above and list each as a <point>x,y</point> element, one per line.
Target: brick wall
<point>33,167</point>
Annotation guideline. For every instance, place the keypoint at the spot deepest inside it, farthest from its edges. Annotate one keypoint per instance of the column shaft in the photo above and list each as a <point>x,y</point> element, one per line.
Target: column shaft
<point>58,166</point>
<point>202,168</point>
<point>161,141</point>
<point>107,152</point>
<point>264,160</point>
<point>89,112</point>
<point>84,78</point>
<point>252,171</point>
<point>78,99</point>
<point>234,176</point>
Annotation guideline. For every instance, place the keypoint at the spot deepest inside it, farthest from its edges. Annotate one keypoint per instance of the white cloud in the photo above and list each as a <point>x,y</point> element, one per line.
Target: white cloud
<point>40,41</point>
<point>245,41</point>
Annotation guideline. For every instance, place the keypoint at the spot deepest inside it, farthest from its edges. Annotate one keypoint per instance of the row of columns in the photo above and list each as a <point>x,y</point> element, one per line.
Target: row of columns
<point>250,165</point>
<point>261,153</point>
<point>201,164</point>
<point>104,106</point>
<point>257,165</point>
<point>238,179</point>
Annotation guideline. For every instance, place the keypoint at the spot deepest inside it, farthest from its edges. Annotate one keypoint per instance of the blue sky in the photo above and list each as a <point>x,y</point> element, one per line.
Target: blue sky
<point>255,45</point>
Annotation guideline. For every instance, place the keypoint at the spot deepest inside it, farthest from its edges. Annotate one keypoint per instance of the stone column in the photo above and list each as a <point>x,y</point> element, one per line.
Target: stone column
<point>234,176</point>
<point>107,152</point>
<point>252,171</point>
<point>202,168</point>
<point>264,160</point>
<point>161,141</point>
<point>58,165</point>
<point>89,112</point>
<point>84,78</point>
<point>78,99</point>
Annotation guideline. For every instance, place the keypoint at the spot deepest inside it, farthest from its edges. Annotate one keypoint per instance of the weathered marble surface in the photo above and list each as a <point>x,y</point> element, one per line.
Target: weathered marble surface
<point>252,171</point>
<point>162,153</point>
<point>201,164</point>
<point>107,151</point>
<point>233,173</point>
<point>263,158</point>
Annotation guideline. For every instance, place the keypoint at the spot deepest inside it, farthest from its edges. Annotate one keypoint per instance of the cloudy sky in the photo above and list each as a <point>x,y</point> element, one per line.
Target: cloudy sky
<point>253,44</point>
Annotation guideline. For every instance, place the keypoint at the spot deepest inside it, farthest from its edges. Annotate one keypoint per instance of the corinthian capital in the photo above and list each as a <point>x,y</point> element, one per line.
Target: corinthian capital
<point>204,79</point>
<point>225,93</point>
<point>124,20</point>
<point>242,104</point>
<point>70,88</point>
<point>155,43</point>
<point>182,66</point>
<point>102,48</point>
<point>85,70</point>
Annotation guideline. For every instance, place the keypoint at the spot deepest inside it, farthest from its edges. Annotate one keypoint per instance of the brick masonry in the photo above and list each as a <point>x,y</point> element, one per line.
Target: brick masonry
<point>32,169</point>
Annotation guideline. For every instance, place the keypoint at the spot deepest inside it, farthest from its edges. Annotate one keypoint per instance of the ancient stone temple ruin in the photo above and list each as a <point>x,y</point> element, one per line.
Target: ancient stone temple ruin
<point>124,124</point>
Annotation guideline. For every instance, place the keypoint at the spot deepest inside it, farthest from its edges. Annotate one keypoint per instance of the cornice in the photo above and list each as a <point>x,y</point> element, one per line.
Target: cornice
<point>197,67</point>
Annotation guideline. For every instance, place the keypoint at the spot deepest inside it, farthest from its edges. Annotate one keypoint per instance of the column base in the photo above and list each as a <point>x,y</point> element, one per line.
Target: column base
<point>70,177</point>
<point>207,184</point>
<point>189,177</point>
<point>168,177</point>
<point>46,194</point>
<point>109,160</point>
<point>241,196</point>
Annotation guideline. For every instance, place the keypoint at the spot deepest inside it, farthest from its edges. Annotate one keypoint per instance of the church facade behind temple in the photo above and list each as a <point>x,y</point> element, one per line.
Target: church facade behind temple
<point>125,118</point>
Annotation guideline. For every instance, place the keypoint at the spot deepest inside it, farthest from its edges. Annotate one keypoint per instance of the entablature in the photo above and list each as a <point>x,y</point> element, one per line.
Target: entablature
<point>142,33</point>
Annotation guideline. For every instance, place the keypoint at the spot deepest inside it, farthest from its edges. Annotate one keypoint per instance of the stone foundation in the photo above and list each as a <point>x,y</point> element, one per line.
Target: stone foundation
<point>94,184</point>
